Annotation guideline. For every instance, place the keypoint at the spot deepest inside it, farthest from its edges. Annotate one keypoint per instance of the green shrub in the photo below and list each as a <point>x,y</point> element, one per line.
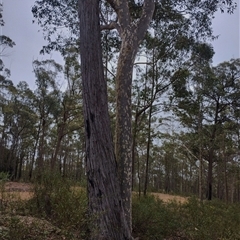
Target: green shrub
<point>4,177</point>
<point>153,219</point>
<point>193,220</point>
<point>210,220</point>
<point>56,200</point>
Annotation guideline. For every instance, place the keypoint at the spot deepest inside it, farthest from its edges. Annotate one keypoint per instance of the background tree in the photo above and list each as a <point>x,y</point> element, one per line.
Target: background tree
<point>211,92</point>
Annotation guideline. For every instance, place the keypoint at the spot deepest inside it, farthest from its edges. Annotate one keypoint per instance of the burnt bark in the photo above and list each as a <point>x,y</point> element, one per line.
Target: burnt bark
<point>105,203</point>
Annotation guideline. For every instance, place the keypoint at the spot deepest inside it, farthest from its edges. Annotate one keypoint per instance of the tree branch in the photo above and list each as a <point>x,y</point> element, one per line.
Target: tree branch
<point>114,5</point>
<point>123,14</point>
<point>146,17</point>
<point>112,25</point>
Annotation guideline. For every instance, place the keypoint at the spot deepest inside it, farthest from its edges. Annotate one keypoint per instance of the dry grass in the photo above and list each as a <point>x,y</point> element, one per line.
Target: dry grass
<point>17,191</point>
<point>24,191</point>
<point>168,197</point>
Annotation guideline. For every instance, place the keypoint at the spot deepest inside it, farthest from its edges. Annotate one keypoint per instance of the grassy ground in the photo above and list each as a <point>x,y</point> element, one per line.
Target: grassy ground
<point>53,210</point>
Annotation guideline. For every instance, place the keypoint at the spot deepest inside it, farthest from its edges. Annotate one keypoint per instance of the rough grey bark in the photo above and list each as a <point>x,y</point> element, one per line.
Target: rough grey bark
<point>131,33</point>
<point>105,203</point>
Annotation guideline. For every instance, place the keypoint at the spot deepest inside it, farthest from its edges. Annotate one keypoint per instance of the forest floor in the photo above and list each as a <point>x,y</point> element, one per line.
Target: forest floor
<point>17,190</point>
<point>15,226</point>
<point>24,191</point>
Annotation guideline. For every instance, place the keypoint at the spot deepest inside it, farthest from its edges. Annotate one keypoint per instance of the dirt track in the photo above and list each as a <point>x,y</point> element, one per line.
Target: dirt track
<point>16,190</point>
<point>24,191</point>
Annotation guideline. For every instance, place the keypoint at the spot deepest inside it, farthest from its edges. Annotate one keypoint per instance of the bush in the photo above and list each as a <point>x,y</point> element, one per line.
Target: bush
<point>193,220</point>
<point>58,209</point>
<point>210,220</point>
<point>153,219</point>
<point>57,201</point>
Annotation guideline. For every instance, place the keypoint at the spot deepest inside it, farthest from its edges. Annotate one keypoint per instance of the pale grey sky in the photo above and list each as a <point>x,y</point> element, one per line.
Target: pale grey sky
<point>18,25</point>
<point>227,46</point>
<point>28,38</point>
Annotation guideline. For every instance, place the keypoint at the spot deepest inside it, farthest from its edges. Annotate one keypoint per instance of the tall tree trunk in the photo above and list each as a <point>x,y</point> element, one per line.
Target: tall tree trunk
<point>211,153</point>
<point>148,153</point>
<point>19,172</point>
<point>134,136</point>
<point>105,203</point>
<point>123,134</point>
<point>41,149</point>
<point>210,175</point>
<point>131,34</point>
<point>225,179</point>
<point>200,176</point>
<point>60,136</point>
<point>153,95</point>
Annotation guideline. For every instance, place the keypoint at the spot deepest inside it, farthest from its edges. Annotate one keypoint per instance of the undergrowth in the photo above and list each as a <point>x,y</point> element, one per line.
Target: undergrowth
<point>58,211</point>
<point>193,220</point>
<point>65,206</point>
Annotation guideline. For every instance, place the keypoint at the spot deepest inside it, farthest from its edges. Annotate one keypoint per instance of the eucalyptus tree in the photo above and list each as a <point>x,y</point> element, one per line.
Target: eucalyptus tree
<point>6,119</point>
<point>47,103</point>
<point>130,20</point>
<point>22,127</point>
<point>5,43</point>
<point>18,124</point>
<point>72,121</point>
<point>68,121</point>
<point>105,203</point>
<point>165,53</point>
<point>213,92</point>
<point>147,90</point>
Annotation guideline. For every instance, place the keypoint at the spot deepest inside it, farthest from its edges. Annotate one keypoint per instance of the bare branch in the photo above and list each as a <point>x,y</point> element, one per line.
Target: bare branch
<point>146,63</point>
<point>110,72</point>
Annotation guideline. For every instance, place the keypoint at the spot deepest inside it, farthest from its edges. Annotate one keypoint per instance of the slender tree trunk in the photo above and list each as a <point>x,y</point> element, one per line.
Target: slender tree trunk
<point>133,148</point>
<point>226,180</point>
<point>60,136</point>
<point>123,134</point>
<point>105,203</point>
<point>131,34</point>
<point>33,155</point>
<point>148,146</point>
<point>225,169</point>
<point>139,176</point>
<point>211,154</point>
<point>148,153</point>
<point>210,176</point>
<point>200,191</point>
<point>19,173</point>
<point>200,185</point>
<point>41,149</point>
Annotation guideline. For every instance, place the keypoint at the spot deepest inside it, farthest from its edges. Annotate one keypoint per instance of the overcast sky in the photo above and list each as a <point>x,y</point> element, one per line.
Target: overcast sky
<point>18,26</point>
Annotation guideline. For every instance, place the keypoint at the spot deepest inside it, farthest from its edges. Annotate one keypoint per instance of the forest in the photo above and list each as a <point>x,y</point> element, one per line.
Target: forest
<point>183,111</point>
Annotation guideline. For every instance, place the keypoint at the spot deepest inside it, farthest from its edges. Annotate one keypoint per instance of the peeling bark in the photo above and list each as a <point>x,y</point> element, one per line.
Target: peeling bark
<point>131,34</point>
